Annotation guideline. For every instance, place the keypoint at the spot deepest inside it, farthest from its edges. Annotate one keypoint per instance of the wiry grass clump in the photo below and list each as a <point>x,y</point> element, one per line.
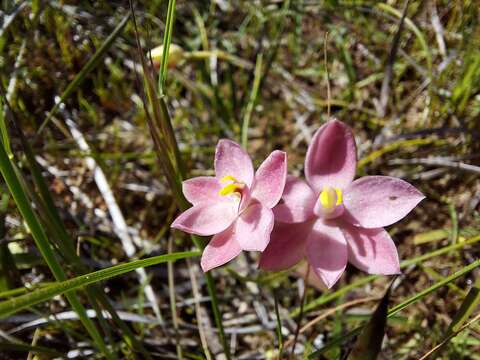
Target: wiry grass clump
<point>97,136</point>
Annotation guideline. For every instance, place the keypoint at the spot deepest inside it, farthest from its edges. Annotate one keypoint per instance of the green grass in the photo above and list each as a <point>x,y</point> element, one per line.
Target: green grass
<point>255,72</point>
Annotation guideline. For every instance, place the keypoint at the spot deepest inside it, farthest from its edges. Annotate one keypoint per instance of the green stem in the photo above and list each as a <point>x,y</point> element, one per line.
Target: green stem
<point>167,39</point>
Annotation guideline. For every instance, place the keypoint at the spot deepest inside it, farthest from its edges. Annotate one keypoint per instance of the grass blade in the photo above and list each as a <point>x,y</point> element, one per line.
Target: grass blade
<point>21,302</point>
<point>41,240</point>
<point>87,68</point>
<point>468,306</point>
<point>365,280</point>
<point>253,99</point>
<point>167,39</point>
<point>59,234</point>
<point>466,309</point>
<point>49,214</point>
<point>396,309</point>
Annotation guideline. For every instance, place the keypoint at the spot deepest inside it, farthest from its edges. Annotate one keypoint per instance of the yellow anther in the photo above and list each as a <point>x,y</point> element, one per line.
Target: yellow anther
<point>233,186</point>
<point>228,178</point>
<point>230,189</point>
<point>339,196</point>
<point>331,197</point>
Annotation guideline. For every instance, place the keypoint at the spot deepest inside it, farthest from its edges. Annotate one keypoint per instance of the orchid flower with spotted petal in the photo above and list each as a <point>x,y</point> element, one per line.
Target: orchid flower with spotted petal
<point>235,206</point>
<point>332,219</point>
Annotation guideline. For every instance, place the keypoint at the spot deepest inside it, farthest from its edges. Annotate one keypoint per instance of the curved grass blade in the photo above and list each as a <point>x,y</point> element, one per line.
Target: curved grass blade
<point>19,195</point>
<point>396,309</point>
<point>344,290</point>
<point>88,67</point>
<point>21,302</point>
<point>468,306</point>
<point>55,226</point>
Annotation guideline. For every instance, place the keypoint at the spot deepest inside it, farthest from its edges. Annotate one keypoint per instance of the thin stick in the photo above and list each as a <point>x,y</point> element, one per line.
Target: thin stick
<point>300,316</point>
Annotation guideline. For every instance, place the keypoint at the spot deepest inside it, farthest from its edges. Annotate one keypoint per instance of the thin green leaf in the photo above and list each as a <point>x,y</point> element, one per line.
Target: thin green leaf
<point>19,195</point>
<point>167,39</point>
<point>365,280</point>
<point>56,228</point>
<point>21,302</point>
<point>396,309</point>
<point>253,99</point>
<point>87,68</point>
<point>468,306</point>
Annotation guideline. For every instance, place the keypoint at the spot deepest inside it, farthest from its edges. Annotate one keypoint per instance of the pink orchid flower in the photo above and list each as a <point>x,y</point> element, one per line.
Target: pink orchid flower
<point>236,205</point>
<point>331,219</point>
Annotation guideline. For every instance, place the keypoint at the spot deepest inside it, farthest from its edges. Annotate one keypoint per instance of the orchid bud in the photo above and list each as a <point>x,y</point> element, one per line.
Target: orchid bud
<point>175,55</point>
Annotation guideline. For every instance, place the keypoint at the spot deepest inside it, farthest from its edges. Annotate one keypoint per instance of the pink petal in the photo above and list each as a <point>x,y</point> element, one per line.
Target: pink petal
<point>377,201</point>
<point>246,198</point>
<point>253,227</point>
<point>331,157</point>
<point>232,160</point>
<point>327,252</point>
<point>202,189</point>
<point>221,249</point>
<point>286,247</point>
<point>206,218</point>
<point>371,250</point>
<point>270,179</point>
<point>297,202</point>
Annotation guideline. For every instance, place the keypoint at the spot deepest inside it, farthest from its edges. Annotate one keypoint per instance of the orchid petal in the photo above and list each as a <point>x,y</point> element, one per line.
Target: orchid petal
<point>253,227</point>
<point>270,179</point>
<point>286,247</point>
<point>371,250</point>
<point>207,218</point>
<point>297,202</point>
<point>331,157</point>
<point>327,252</point>
<point>232,161</point>
<point>202,189</point>
<point>221,249</point>
<point>377,201</point>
